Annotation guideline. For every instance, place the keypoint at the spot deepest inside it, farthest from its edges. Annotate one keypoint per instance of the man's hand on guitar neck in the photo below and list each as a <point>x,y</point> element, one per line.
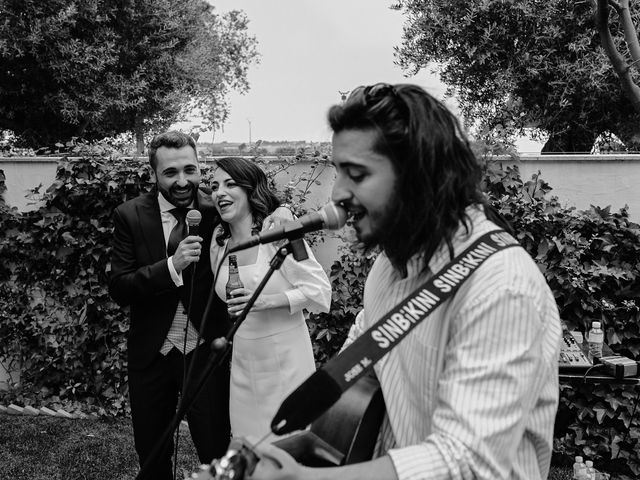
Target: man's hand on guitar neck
<point>276,464</point>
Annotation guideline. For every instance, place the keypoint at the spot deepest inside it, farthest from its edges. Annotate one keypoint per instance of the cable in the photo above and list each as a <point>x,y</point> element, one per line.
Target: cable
<point>592,367</point>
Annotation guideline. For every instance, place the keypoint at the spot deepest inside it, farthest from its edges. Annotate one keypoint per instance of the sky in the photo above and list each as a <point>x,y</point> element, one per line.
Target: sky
<point>310,51</point>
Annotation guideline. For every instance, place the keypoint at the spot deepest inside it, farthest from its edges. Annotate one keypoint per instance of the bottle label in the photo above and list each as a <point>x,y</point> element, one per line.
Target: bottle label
<point>595,349</point>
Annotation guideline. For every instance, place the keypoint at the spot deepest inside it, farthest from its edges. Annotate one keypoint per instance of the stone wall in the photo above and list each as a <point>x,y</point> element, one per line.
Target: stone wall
<point>577,180</point>
<point>584,180</point>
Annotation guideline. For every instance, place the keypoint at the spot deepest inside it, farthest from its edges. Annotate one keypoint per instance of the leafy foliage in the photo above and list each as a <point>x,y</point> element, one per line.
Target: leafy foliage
<point>97,68</point>
<point>347,276</point>
<point>54,304</point>
<point>3,189</point>
<point>522,64</point>
<point>56,314</point>
<point>591,262</point>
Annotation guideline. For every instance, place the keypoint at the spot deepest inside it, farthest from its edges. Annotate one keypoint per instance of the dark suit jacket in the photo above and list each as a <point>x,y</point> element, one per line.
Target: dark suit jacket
<point>140,277</point>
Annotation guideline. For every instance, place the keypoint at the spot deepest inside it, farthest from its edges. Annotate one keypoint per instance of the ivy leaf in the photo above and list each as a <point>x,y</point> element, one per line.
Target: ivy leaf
<point>600,413</point>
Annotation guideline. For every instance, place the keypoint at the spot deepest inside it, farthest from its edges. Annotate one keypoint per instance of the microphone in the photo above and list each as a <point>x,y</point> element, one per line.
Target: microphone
<point>330,217</point>
<point>193,221</point>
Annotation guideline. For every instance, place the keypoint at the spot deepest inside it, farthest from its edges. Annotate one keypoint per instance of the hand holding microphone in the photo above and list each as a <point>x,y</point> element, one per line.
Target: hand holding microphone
<point>329,217</point>
<point>189,249</point>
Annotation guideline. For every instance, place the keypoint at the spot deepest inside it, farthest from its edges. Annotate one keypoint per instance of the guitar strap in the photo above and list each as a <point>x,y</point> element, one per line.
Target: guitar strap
<point>326,385</point>
<point>360,356</point>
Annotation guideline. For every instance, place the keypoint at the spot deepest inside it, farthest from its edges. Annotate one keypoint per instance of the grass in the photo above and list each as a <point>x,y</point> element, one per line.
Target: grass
<point>49,448</point>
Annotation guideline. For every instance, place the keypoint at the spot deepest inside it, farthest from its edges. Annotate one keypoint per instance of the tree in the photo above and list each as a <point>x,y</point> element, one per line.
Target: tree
<point>622,67</point>
<point>95,68</point>
<point>521,64</point>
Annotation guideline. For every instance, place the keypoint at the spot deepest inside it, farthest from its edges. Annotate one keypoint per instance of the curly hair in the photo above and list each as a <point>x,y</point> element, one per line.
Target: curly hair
<point>252,179</point>
<point>437,174</point>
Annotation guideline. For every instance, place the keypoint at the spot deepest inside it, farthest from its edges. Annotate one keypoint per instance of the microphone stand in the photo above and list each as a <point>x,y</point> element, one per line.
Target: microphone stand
<point>176,441</point>
<point>220,347</point>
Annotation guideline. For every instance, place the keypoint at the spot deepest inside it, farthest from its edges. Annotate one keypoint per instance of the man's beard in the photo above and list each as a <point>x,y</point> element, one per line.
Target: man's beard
<point>177,200</point>
<point>382,223</point>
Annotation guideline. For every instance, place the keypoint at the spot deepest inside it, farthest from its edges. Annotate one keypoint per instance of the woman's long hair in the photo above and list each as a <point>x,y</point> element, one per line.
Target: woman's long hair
<point>438,176</point>
<point>250,177</point>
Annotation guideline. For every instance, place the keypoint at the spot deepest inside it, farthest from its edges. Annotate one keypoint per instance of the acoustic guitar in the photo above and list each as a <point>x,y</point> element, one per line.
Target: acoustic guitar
<point>344,434</point>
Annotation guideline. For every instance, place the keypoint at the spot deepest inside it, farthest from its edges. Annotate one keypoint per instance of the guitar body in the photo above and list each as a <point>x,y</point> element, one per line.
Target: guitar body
<point>344,434</point>
<point>351,425</point>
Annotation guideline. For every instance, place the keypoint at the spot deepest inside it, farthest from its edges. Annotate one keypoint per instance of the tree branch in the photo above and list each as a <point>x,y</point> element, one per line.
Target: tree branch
<point>620,66</point>
<point>630,35</point>
<point>615,5</point>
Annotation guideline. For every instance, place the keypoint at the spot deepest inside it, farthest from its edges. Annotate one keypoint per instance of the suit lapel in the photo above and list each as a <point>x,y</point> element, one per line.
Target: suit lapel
<point>150,222</point>
<point>151,227</point>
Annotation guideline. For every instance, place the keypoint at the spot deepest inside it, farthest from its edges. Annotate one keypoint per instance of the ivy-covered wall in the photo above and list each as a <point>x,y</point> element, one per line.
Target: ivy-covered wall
<point>56,315</point>
<point>578,180</point>
<point>591,260</point>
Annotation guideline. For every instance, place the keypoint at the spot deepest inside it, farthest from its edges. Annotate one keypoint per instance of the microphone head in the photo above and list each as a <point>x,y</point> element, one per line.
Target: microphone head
<point>334,216</point>
<point>193,218</point>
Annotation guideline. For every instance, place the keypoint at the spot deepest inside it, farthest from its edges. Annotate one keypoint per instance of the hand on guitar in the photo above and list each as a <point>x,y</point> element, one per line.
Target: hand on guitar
<point>276,464</point>
<point>242,461</point>
<point>268,462</point>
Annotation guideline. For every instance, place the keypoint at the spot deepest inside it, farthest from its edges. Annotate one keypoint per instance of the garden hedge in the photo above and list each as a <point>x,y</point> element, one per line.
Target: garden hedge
<point>57,317</point>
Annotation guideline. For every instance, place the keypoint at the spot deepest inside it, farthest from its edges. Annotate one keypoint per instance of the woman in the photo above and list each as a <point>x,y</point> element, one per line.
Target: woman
<point>272,351</point>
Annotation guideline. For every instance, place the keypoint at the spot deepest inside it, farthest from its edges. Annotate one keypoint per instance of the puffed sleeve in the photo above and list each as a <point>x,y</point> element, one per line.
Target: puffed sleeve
<point>311,287</point>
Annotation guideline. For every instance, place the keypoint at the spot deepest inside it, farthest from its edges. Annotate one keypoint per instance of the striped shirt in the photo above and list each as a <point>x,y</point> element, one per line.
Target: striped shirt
<point>471,392</point>
<point>175,337</point>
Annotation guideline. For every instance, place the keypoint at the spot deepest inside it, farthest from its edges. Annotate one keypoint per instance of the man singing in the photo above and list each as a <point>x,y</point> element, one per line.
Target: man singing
<point>472,391</point>
<point>152,273</point>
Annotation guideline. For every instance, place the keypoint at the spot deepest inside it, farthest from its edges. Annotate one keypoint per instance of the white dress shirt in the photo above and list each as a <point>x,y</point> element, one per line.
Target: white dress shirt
<point>471,392</point>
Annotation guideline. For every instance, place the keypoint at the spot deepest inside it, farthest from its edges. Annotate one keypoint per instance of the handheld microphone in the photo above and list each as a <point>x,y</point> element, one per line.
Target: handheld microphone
<point>193,221</point>
<point>330,217</point>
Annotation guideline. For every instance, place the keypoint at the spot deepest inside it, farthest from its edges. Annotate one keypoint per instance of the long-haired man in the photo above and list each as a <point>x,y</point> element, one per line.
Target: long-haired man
<point>472,391</point>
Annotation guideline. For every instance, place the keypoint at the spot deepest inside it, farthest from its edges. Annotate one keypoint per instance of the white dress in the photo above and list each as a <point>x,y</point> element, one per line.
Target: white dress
<point>272,351</point>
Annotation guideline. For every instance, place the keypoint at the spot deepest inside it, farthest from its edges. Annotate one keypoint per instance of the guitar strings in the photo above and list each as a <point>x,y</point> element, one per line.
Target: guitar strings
<point>253,446</point>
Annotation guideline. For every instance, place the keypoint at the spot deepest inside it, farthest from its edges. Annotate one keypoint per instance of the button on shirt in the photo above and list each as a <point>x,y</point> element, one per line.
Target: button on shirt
<point>472,391</point>
<point>175,337</point>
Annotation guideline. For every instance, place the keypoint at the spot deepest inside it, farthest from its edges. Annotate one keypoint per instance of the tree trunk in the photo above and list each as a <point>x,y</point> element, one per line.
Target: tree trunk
<point>139,134</point>
<point>617,60</point>
<point>81,128</point>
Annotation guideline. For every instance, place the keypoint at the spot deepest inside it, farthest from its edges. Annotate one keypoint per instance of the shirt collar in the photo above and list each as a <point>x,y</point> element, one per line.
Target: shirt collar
<point>166,205</point>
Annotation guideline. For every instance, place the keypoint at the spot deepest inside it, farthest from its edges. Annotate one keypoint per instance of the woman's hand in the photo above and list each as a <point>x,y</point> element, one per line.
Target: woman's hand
<point>279,216</point>
<point>240,297</point>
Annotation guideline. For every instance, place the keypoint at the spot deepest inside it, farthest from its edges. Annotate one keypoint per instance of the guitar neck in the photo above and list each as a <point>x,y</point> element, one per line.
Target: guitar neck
<point>311,450</point>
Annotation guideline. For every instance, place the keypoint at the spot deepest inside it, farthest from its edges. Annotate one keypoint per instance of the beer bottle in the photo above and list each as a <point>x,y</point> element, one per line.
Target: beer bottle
<point>234,277</point>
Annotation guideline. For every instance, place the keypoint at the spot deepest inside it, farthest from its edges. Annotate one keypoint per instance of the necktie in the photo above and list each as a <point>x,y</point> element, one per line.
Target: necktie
<point>179,232</point>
